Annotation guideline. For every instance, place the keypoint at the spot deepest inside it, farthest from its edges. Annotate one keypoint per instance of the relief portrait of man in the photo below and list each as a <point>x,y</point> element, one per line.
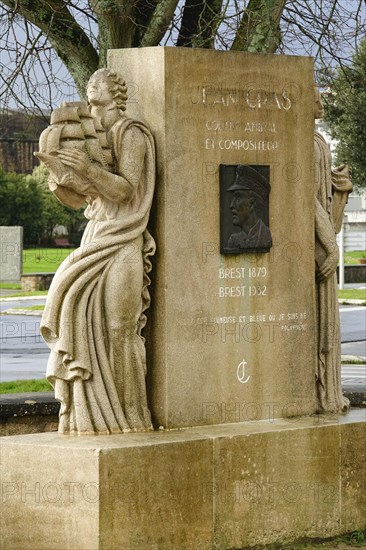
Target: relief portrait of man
<point>249,210</point>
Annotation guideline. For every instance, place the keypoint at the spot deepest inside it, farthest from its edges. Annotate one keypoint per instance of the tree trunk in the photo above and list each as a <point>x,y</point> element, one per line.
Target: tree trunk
<point>259,29</point>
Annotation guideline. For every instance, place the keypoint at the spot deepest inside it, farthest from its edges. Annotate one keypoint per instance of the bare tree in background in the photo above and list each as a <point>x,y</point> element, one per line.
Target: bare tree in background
<point>39,38</point>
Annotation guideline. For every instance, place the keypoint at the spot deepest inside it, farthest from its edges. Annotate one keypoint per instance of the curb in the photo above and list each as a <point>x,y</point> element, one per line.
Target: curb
<point>346,301</point>
<point>23,298</point>
<point>27,312</point>
<point>346,358</point>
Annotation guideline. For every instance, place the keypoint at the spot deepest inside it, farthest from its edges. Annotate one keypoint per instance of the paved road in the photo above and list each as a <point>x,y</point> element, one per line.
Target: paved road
<point>354,375</point>
<point>353,323</point>
<point>24,354</point>
<point>353,330</point>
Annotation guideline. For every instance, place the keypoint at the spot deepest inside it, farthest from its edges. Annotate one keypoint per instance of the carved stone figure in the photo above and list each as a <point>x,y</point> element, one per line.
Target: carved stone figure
<point>250,195</point>
<point>331,193</point>
<point>95,309</point>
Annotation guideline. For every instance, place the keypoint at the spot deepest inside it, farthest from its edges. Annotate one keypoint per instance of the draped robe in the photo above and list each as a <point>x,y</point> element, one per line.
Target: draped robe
<point>329,183</point>
<point>99,377</point>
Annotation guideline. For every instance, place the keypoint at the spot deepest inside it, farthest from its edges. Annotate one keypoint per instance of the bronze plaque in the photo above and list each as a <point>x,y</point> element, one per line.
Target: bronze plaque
<point>244,208</point>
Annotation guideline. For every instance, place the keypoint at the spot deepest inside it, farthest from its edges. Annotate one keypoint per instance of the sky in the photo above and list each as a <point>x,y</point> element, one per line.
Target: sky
<point>35,91</point>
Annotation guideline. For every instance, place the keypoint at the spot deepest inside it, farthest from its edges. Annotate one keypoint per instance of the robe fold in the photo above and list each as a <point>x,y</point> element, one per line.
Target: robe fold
<point>329,388</point>
<point>98,376</point>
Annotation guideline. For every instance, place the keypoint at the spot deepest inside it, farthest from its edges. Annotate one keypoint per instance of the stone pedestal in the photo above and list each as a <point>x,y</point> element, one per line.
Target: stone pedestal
<point>225,486</point>
<point>231,336</point>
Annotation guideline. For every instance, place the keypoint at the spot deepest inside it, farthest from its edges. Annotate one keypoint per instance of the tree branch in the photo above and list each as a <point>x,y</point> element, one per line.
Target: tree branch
<point>116,25</point>
<point>68,39</point>
<point>159,22</point>
<point>199,23</point>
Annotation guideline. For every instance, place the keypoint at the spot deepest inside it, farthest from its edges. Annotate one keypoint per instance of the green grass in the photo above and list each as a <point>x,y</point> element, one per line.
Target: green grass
<point>352,294</point>
<point>44,260</point>
<point>11,286</point>
<point>33,293</point>
<point>352,256</point>
<point>39,260</point>
<point>31,308</point>
<point>23,386</point>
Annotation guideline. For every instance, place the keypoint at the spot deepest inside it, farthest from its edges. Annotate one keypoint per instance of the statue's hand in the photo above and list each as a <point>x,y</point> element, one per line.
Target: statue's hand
<point>343,169</point>
<point>67,179</point>
<point>77,160</point>
<point>329,266</point>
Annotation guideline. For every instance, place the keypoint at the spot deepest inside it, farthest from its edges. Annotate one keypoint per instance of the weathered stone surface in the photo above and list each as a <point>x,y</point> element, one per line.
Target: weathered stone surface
<point>35,424</point>
<point>25,413</point>
<point>28,404</point>
<point>353,467</point>
<point>11,263</point>
<point>54,486</point>
<point>36,281</point>
<point>232,336</point>
<point>284,482</point>
<point>224,486</point>
<point>28,413</point>
<point>332,187</point>
<point>155,491</point>
<point>95,308</point>
<point>356,395</point>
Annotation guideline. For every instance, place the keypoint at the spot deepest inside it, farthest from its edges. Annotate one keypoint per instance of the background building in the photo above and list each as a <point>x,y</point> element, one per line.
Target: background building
<point>19,134</point>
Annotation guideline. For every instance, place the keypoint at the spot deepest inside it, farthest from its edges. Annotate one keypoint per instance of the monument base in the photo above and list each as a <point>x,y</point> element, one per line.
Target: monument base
<point>224,486</point>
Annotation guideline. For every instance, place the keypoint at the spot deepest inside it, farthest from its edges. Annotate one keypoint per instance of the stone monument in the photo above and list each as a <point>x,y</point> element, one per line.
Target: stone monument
<point>96,304</point>
<point>237,340</point>
<point>11,263</point>
<point>231,339</point>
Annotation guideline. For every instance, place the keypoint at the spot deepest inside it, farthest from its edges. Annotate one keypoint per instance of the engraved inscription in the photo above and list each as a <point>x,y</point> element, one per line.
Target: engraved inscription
<point>296,319</point>
<point>236,291</point>
<point>267,326</point>
<point>240,144</point>
<point>252,126</point>
<point>254,96</point>
<point>240,372</point>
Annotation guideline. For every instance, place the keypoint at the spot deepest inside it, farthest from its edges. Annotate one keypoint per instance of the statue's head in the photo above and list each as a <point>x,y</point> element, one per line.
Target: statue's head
<point>106,87</point>
<point>318,103</point>
<point>250,192</point>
